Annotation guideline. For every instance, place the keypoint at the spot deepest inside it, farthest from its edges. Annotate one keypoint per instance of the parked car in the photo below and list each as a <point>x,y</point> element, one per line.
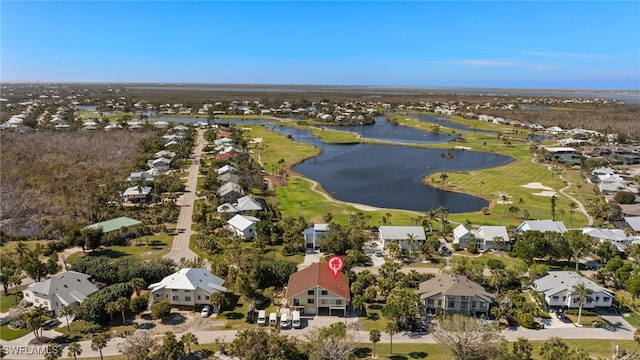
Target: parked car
<point>379,254</point>
<point>261,303</point>
<point>50,324</point>
<point>205,311</point>
<point>250,316</point>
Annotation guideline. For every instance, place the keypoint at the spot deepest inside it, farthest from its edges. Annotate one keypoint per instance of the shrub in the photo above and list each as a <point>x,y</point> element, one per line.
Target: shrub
<point>624,197</point>
<point>455,247</point>
<point>472,249</point>
<point>161,310</point>
<point>139,304</point>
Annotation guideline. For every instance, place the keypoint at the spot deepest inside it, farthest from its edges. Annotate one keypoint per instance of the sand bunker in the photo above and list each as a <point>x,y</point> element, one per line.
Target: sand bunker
<point>537,186</point>
<point>545,193</point>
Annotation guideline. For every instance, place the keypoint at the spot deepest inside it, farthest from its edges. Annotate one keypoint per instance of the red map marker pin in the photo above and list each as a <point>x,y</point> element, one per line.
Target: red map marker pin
<point>335,264</point>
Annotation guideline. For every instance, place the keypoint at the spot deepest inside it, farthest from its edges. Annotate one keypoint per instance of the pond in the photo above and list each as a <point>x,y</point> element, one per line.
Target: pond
<point>383,130</point>
<point>389,176</point>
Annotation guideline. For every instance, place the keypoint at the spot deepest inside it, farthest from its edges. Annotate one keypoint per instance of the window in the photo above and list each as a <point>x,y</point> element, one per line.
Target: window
<point>450,304</point>
<point>463,305</point>
<point>324,301</point>
<point>37,301</point>
<point>310,292</point>
<point>430,302</point>
<point>597,298</point>
<point>483,305</point>
<point>198,297</point>
<point>174,298</point>
<point>555,297</point>
<point>324,293</point>
<point>338,302</point>
<point>296,302</point>
<point>187,298</point>
<point>606,299</point>
<point>564,298</point>
<point>439,303</point>
<point>310,301</point>
<point>157,295</point>
<point>473,305</point>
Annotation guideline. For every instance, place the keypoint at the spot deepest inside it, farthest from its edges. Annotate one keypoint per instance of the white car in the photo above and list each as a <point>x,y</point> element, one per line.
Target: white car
<point>205,311</point>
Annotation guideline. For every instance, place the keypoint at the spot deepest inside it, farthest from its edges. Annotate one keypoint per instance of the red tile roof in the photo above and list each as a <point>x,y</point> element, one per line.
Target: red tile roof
<point>318,274</point>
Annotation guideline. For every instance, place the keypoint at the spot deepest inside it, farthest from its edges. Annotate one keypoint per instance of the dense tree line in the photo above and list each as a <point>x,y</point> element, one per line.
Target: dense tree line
<point>120,270</point>
<point>53,180</point>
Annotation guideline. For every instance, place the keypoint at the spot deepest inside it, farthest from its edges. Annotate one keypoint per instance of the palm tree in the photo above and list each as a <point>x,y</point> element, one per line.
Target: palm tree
<point>189,339</point>
<point>582,292</point>
<point>138,284</point>
<point>111,308</point>
<point>75,349</point>
<point>572,209</point>
<point>122,304</point>
<point>98,343</point>
<point>66,311</point>
<point>443,177</point>
<point>391,328</point>
<point>54,351</point>
<point>358,303</point>
<point>411,240</point>
<point>374,337</point>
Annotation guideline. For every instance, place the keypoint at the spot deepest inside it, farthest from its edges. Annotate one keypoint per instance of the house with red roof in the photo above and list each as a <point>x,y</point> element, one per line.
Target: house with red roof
<point>313,290</point>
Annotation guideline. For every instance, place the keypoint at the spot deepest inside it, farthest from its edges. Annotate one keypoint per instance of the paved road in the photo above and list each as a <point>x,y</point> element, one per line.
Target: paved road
<point>180,248</point>
<point>623,331</point>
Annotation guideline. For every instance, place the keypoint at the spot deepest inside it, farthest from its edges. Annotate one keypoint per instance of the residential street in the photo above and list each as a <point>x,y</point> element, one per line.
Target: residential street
<point>623,331</point>
<point>180,248</point>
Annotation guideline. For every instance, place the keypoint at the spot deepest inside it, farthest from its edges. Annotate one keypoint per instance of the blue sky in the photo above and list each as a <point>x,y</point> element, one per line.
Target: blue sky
<point>429,43</point>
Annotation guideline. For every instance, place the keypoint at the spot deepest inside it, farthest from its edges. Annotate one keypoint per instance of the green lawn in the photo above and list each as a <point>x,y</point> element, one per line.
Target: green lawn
<point>9,334</point>
<point>9,301</point>
<point>159,245</point>
<point>633,319</point>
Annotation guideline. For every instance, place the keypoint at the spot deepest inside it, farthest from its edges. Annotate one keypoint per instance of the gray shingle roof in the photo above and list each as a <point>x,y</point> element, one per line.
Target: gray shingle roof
<point>70,287</point>
<point>453,285</point>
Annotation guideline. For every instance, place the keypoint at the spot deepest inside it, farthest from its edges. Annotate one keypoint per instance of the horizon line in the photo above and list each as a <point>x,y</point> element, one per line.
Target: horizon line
<point>179,83</point>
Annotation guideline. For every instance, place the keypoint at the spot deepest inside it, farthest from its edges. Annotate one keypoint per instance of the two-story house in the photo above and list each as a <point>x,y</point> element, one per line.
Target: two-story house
<point>454,294</point>
<point>314,290</point>
<point>404,236</point>
<point>189,287</point>
<point>558,289</point>
<point>67,289</point>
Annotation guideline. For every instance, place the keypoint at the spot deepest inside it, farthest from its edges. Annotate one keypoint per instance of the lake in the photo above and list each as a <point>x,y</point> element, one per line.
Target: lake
<point>389,176</point>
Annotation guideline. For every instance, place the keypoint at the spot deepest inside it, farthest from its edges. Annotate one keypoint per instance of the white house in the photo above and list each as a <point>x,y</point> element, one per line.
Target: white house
<point>633,222</point>
<point>484,238</point>
<point>161,163</point>
<point>69,288</point>
<point>314,236</point>
<point>164,154</point>
<point>136,193</point>
<point>248,204</point>
<point>230,192</point>
<point>227,169</point>
<point>243,226</point>
<point>187,287</point>
<point>616,236</point>
<point>140,176</point>
<point>558,291</point>
<point>401,236</point>
<point>542,226</point>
